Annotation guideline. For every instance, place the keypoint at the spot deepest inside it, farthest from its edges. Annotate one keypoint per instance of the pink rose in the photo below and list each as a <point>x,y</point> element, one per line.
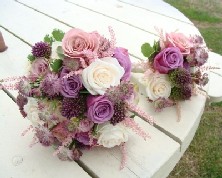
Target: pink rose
<point>85,125</point>
<point>76,42</point>
<point>178,40</point>
<point>39,67</point>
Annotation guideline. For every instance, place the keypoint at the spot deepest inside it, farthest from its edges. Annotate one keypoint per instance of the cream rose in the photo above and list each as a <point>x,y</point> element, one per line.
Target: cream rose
<point>31,108</point>
<point>102,74</point>
<point>111,136</point>
<point>157,86</point>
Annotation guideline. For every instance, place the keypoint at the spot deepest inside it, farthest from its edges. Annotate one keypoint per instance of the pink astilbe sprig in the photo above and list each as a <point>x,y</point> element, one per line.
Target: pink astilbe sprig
<point>14,78</point>
<point>207,68</point>
<point>10,86</point>
<point>198,90</point>
<point>30,128</point>
<point>124,155</point>
<point>130,123</point>
<point>65,143</point>
<point>90,138</point>
<point>112,41</point>
<point>137,111</point>
<point>178,108</point>
<point>70,74</point>
<point>34,141</point>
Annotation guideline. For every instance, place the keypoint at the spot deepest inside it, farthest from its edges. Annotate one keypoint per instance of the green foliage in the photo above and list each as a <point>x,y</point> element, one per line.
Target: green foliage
<point>84,92</point>
<point>147,50</point>
<point>48,39</point>
<point>56,65</point>
<point>60,52</point>
<point>31,58</point>
<point>58,34</point>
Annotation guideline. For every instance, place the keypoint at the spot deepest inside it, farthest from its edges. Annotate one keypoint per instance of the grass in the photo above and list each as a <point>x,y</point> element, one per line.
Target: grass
<point>203,158</point>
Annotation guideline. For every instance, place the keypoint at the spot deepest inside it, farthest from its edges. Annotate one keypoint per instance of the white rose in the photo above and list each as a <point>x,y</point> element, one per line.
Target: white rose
<point>111,136</point>
<point>102,74</point>
<point>157,86</point>
<point>55,45</point>
<point>31,108</point>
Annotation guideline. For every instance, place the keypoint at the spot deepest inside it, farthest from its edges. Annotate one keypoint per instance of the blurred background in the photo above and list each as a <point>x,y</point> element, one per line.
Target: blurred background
<point>203,158</point>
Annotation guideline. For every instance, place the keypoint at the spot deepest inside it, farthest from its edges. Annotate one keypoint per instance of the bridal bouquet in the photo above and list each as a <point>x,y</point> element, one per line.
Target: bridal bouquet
<point>174,70</point>
<point>77,94</point>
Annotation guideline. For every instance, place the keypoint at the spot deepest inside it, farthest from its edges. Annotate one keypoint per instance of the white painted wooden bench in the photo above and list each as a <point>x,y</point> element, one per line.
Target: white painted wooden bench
<point>215,89</point>
<point>24,22</point>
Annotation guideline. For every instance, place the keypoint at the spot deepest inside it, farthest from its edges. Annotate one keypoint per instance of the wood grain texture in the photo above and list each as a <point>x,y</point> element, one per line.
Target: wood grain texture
<point>17,159</point>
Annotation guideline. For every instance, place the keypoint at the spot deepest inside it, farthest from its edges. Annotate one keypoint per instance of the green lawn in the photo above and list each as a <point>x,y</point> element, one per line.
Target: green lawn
<point>203,158</point>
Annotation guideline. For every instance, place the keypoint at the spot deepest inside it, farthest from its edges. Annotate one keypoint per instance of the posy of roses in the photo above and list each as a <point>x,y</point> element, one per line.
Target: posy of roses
<point>77,94</point>
<point>173,69</point>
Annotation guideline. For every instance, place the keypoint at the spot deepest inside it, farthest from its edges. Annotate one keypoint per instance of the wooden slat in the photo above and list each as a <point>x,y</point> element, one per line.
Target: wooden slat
<point>28,25</point>
<point>142,154</point>
<point>156,156</point>
<point>17,159</point>
<point>139,18</point>
<point>126,35</point>
<point>160,7</point>
<point>215,89</point>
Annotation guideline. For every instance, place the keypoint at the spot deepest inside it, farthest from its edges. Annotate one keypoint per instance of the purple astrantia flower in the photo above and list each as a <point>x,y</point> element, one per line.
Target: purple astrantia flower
<point>70,86</point>
<point>71,63</point>
<point>168,59</point>
<point>45,136</point>
<point>85,125</point>
<point>51,84</point>
<point>39,67</point>
<point>121,54</point>
<point>83,137</point>
<point>100,109</point>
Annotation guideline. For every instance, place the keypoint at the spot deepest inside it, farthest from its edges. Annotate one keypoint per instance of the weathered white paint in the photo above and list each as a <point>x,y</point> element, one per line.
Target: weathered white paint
<point>141,18</point>
<point>160,7</point>
<point>215,89</point>
<point>17,159</point>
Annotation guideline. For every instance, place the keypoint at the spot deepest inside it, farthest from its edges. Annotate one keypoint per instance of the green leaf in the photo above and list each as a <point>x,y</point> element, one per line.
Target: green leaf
<point>84,91</point>
<point>31,58</point>
<point>58,34</point>
<point>56,65</point>
<point>156,46</point>
<point>48,39</point>
<point>60,52</point>
<point>147,50</point>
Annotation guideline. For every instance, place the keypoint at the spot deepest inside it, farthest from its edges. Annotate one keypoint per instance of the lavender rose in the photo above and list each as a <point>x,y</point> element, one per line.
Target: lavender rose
<point>100,109</point>
<point>76,41</point>
<point>83,137</point>
<point>39,66</point>
<point>121,54</point>
<point>168,59</point>
<point>70,86</point>
<point>85,125</point>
